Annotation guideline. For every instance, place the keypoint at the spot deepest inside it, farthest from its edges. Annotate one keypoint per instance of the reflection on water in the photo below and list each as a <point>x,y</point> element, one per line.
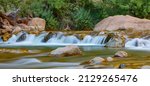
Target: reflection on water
<point>136,59</point>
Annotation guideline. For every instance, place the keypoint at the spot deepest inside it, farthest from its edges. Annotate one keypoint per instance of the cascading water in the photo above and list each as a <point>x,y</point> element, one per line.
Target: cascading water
<point>138,42</point>
<point>58,38</point>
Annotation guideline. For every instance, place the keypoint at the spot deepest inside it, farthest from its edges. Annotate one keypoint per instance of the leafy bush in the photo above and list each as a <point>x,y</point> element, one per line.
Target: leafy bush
<point>77,14</point>
<point>82,19</point>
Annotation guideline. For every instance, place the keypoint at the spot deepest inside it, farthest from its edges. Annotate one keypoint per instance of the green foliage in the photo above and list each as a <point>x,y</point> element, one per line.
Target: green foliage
<point>77,14</point>
<point>82,19</point>
<point>8,5</point>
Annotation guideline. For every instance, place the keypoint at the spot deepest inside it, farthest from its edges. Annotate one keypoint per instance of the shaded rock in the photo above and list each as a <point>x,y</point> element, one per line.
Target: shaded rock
<point>121,22</point>
<point>96,60</point>
<point>122,66</point>
<point>145,67</point>
<point>23,20</point>
<point>37,23</point>
<point>147,37</point>
<point>69,50</point>
<point>47,37</point>
<point>67,28</point>
<point>22,37</point>
<point>121,54</point>
<point>13,15</point>
<point>109,59</point>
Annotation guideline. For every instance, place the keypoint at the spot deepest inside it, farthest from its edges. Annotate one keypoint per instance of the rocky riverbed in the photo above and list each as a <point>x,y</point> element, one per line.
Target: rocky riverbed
<point>135,59</point>
<point>116,42</point>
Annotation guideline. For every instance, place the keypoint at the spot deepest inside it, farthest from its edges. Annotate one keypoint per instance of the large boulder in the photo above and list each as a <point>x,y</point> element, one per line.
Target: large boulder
<point>115,40</point>
<point>37,23</point>
<point>69,50</point>
<point>121,22</point>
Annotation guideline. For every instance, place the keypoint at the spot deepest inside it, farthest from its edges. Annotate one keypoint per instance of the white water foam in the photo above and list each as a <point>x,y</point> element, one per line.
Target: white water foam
<point>138,44</point>
<point>58,39</point>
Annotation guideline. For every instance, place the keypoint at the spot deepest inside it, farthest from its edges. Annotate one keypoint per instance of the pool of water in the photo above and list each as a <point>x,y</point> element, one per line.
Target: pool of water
<point>41,59</point>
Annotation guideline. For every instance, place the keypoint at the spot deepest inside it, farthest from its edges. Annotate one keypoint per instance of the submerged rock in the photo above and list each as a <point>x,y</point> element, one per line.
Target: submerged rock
<point>121,54</point>
<point>109,59</point>
<point>122,66</point>
<point>18,51</point>
<point>26,61</point>
<point>69,50</point>
<point>96,61</point>
<point>145,67</point>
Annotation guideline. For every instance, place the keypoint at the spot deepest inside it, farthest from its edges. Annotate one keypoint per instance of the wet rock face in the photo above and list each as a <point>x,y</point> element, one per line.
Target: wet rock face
<point>115,40</point>
<point>47,37</point>
<point>22,37</point>
<point>122,66</point>
<point>69,50</point>
<point>121,54</point>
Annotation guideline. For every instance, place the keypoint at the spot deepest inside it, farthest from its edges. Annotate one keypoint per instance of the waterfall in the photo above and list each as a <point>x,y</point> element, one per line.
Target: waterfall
<point>138,42</point>
<point>57,38</point>
<point>39,38</point>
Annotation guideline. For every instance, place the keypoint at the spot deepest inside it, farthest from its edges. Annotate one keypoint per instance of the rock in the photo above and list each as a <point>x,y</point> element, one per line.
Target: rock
<point>115,40</point>
<point>22,37</point>
<point>37,23</point>
<point>147,37</point>
<point>47,37</point>
<point>109,59</point>
<point>121,54</point>
<point>6,36</point>
<point>101,33</point>
<point>14,51</point>
<point>16,30</point>
<point>145,67</point>
<point>96,60</point>
<point>122,66</point>
<point>121,22</point>
<point>24,26</point>
<point>69,50</point>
